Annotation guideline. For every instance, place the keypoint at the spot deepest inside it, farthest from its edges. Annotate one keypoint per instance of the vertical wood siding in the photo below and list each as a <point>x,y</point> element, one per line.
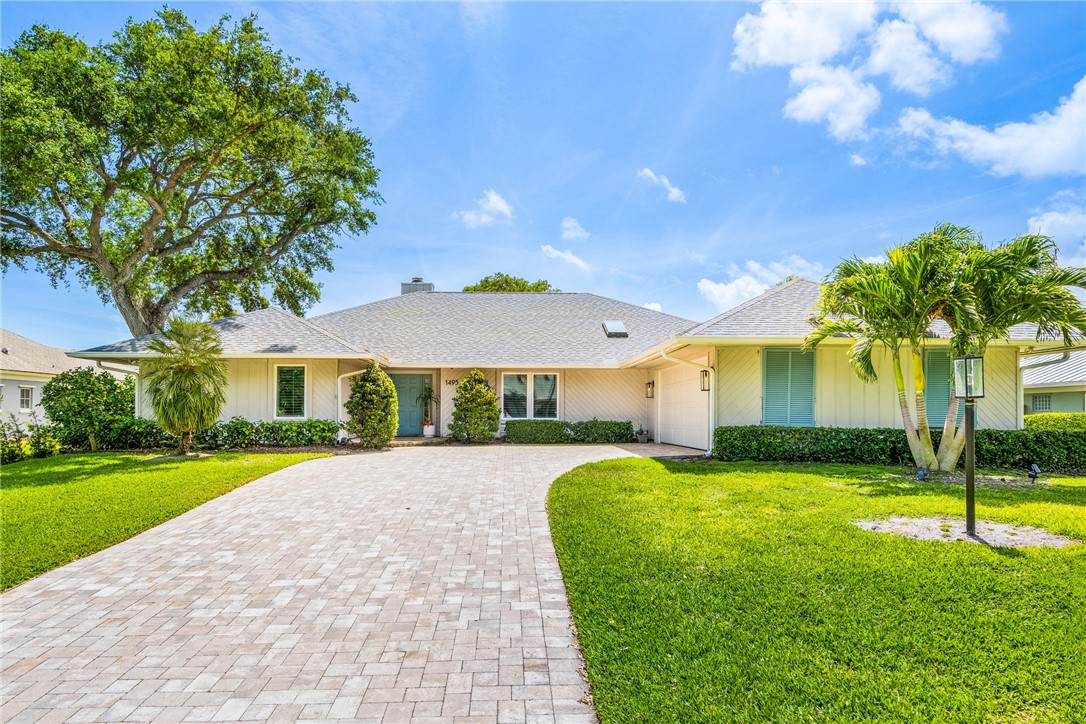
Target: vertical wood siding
<point>604,394</point>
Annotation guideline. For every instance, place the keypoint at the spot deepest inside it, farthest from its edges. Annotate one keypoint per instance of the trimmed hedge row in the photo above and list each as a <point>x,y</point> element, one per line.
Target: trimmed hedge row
<point>237,432</point>
<point>1056,421</point>
<point>558,432</point>
<point>1052,450</point>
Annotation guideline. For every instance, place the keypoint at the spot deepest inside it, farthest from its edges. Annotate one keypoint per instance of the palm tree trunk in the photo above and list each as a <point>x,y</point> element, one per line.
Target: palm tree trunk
<point>922,430</point>
<point>950,448</point>
<point>906,415</point>
<point>186,441</point>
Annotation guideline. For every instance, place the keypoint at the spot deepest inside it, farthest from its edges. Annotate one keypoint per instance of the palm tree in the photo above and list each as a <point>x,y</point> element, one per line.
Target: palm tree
<point>186,382</point>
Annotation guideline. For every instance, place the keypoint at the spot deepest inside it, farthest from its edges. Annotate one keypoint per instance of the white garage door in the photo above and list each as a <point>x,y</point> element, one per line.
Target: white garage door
<point>684,408</point>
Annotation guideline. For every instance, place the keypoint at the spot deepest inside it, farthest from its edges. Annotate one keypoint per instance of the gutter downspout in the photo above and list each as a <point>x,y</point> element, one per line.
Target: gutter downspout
<point>1066,356</point>
<point>712,393</point>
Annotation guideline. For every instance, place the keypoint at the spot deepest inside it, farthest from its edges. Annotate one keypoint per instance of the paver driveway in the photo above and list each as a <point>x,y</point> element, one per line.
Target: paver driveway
<point>412,584</point>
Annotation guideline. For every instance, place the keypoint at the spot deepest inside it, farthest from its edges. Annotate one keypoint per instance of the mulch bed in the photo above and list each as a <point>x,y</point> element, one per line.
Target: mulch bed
<point>951,530</point>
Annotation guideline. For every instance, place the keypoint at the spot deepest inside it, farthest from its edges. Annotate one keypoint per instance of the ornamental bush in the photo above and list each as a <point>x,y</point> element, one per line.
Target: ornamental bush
<point>85,405</point>
<point>603,432</point>
<point>1056,421</point>
<point>1052,450</point>
<point>372,406</point>
<point>538,432</point>
<point>475,410</point>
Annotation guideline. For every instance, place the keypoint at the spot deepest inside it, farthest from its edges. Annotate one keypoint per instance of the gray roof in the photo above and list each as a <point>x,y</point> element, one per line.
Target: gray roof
<point>1071,372</point>
<point>787,310</point>
<point>20,354</point>
<point>501,328</point>
<point>263,332</point>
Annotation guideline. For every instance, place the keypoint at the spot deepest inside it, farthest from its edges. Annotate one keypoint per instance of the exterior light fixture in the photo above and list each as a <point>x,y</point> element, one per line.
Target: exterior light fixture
<point>650,389</point>
<point>705,380</point>
<point>968,386</point>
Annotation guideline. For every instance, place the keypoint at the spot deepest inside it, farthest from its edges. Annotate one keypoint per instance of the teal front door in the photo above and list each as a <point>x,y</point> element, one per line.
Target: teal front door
<point>408,389</point>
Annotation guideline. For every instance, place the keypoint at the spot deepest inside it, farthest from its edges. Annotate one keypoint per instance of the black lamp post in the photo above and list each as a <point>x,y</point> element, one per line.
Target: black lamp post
<point>969,386</point>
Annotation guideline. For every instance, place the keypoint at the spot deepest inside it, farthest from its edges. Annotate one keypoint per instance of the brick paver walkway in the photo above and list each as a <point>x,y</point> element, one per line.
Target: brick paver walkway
<point>407,585</point>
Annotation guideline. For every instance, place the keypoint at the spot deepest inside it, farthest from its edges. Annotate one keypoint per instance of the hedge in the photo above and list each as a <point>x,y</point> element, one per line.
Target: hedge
<point>1052,450</point>
<point>552,432</point>
<point>1056,421</point>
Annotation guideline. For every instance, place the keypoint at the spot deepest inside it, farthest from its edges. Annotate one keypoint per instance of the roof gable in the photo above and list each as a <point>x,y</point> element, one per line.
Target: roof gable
<point>25,355</point>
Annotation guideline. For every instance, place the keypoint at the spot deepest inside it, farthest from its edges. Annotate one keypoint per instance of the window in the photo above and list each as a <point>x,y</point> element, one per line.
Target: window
<point>938,387</point>
<point>541,389</point>
<point>290,391</point>
<point>788,387</point>
<point>26,399</point>
<point>1042,403</point>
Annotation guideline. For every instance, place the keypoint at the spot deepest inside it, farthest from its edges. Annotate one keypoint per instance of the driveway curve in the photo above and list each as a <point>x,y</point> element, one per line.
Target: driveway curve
<point>410,585</point>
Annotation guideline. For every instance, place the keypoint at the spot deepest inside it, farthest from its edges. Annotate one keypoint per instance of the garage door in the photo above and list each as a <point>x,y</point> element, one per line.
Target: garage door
<point>684,408</point>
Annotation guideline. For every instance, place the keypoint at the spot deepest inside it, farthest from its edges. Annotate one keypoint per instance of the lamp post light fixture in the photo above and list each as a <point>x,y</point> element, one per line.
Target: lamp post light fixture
<point>969,386</point>
<point>650,389</point>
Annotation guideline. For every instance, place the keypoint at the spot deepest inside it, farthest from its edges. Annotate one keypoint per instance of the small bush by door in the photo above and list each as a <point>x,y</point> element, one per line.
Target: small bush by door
<point>372,406</point>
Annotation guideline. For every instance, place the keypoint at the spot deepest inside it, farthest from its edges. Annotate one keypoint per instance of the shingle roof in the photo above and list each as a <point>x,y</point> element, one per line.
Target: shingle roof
<point>1065,373</point>
<point>25,355</point>
<point>787,310</point>
<point>501,328</point>
<point>266,331</point>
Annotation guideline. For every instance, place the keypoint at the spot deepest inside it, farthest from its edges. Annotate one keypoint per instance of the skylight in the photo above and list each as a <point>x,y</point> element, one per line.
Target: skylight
<point>615,328</point>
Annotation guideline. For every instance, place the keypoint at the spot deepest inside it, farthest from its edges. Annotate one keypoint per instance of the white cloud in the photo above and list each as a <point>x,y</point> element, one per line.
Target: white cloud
<point>1048,144</point>
<point>654,306</point>
<point>567,256</point>
<point>753,278</point>
<point>489,210</point>
<point>674,193</point>
<point>1065,222</point>
<point>966,31</point>
<point>874,259</point>
<point>857,160</point>
<point>572,230</point>
<point>836,95</point>
<point>786,32</point>
<point>899,52</point>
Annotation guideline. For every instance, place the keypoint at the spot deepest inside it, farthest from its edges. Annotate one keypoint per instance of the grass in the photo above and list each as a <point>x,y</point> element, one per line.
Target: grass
<point>741,592</point>
<point>58,509</point>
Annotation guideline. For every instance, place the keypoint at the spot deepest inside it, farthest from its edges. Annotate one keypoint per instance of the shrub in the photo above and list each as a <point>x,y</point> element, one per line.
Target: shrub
<point>1056,421</point>
<point>85,405</point>
<point>1052,450</point>
<point>475,410</point>
<point>372,406</point>
<point>43,439</point>
<point>136,433</point>
<point>538,432</point>
<point>14,445</point>
<point>603,432</point>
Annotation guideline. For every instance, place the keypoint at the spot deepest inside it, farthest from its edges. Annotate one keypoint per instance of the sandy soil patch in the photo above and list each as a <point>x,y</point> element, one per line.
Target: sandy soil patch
<point>949,530</point>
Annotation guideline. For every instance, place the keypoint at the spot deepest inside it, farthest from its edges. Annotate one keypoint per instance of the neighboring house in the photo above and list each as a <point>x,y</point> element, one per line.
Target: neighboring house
<point>562,356</point>
<point>1052,385</point>
<point>25,366</point>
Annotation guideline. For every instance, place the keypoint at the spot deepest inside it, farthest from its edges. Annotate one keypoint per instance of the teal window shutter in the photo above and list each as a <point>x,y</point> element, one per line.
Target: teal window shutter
<point>788,387</point>
<point>937,387</point>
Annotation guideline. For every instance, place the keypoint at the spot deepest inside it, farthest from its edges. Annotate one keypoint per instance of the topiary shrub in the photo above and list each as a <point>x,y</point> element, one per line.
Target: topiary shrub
<point>372,406</point>
<point>475,410</point>
<point>538,432</point>
<point>1056,421</point>
<point>602,432</point>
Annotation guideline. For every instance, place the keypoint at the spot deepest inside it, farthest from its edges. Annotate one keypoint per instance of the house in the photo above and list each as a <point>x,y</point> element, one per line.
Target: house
<point>25,366</point>
<point>1055,383</point>
<point>575,356</point>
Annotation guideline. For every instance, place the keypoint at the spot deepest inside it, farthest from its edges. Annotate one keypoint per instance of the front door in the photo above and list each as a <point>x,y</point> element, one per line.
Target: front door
<point>408,389</point>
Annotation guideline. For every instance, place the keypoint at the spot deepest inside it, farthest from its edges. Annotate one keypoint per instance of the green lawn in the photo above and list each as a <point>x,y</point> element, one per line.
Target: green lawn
<point>741,592</point>
<point>55,510</point>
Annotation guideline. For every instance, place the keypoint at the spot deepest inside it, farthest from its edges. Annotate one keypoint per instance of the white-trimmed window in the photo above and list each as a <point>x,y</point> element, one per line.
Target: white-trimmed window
<point>26,399</point>
<point>290,396</point>
<point>1042,403</point>
<point>531,396</point>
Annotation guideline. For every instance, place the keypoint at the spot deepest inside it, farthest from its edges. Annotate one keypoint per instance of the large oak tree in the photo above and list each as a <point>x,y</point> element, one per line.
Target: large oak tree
<point>176,170</point>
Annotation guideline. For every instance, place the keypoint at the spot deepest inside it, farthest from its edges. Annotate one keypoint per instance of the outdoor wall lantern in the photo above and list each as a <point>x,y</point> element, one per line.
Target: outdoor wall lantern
<point>705,380</point>
<point>968,386</point>
<point>650,389</point>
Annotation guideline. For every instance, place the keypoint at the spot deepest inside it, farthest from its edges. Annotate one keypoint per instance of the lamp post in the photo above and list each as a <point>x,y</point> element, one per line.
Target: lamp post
<point>969,386</point>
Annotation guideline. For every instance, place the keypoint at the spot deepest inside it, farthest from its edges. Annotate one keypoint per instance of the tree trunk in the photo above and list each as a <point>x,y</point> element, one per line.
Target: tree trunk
<point>953,440</point>
<point>186,441</point>
<point>141,319</point>
<point>922,429</point>
<point>93,439</point>
<point>906,415</point>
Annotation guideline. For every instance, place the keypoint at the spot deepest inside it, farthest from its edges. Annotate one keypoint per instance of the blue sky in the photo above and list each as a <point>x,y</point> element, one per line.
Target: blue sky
<point>680,155</point>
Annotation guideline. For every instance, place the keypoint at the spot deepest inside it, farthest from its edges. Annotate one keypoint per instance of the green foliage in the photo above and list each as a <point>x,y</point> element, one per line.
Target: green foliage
<point>1056,421</point>
<point>39,440</point>
<point>715,592</point>
<point>239,433</point>
<point>475,414</point>
<point>538,432</point>
<point>178,170</point>
<point>137,433</point>
<point>373,408</point>
<point>506,283</point>
<point>43,438</point>
<point>603,432</point>
<point>67,507</point>
<point>85,405</point>
<point>186,380</point>
<point>1053,450</point>
<point>14,449</point>
<point>429,399</point>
